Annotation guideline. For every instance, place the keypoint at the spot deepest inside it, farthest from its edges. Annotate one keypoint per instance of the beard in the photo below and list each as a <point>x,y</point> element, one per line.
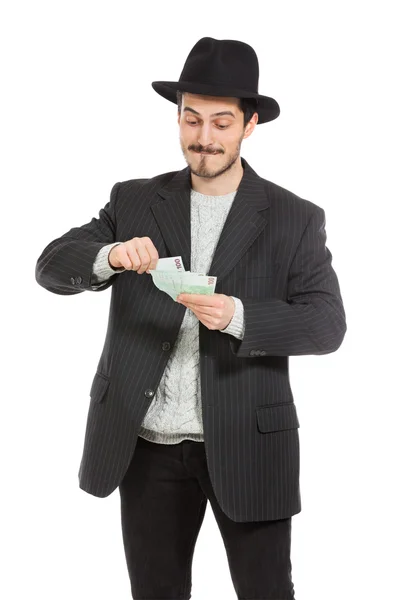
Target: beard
<point>202,165</point>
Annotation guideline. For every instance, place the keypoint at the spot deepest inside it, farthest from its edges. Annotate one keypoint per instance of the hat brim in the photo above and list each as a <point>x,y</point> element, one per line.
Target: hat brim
<point>268,109</point>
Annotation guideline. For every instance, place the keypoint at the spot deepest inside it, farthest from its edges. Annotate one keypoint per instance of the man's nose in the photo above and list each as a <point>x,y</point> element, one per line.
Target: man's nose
<point>205,136</point>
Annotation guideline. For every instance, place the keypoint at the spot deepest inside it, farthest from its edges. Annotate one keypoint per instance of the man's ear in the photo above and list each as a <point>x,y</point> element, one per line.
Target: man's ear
<point>251,125</point>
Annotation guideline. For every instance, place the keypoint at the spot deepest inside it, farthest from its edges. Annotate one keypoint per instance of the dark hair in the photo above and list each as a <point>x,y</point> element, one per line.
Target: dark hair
<point>248,106</point>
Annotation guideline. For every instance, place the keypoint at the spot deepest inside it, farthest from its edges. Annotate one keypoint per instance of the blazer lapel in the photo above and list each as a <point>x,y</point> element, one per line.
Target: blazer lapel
<point>244,223</point>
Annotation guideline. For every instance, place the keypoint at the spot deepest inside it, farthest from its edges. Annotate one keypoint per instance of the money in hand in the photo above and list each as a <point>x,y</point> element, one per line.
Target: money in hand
<point>170,277</point>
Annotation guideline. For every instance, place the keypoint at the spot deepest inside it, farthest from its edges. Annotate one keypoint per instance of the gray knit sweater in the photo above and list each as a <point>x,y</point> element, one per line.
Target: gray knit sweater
<point>175,413</point>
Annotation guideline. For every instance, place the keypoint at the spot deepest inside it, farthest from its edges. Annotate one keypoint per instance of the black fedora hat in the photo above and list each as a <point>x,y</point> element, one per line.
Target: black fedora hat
<point>221,68</point>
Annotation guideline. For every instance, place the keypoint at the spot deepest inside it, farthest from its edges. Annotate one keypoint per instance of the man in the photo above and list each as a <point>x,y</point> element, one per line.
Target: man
<point>191,400</point>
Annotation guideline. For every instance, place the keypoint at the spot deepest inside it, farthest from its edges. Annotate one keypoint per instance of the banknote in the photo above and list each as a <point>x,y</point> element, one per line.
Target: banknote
<point>171,263</point>
<point>170,277</point>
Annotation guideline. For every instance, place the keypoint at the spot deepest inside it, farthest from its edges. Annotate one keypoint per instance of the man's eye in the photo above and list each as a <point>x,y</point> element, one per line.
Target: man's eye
<point>195,123</point>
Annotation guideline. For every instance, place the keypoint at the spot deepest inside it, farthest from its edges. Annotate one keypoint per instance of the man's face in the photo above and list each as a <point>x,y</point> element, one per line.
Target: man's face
<point>211,142</point>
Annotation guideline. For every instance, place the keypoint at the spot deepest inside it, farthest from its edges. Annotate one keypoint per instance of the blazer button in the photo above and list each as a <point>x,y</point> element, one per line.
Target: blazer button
<point>252,352</point>
<point>79,280</point>
<point>263,353</point>
<point>72,280</point>
<point>166,346</point>
<point>149,393</point>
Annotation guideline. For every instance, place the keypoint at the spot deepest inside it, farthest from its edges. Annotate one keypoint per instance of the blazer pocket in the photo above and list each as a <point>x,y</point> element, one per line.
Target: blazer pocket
<point>258,270</point>
<point>277,417</point>
<point>99,387</point>
<point>254,287</point>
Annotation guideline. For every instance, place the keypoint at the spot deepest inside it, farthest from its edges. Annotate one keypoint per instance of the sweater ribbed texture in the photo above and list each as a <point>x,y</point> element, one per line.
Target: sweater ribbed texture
<point>175,413</point>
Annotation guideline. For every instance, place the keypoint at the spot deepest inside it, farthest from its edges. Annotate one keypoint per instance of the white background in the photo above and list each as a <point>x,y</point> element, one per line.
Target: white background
<point>78,114</point>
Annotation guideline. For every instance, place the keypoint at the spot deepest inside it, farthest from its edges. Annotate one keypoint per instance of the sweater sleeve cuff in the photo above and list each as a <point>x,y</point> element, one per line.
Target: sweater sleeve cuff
<point>102,270</point>
<point>237,325</point>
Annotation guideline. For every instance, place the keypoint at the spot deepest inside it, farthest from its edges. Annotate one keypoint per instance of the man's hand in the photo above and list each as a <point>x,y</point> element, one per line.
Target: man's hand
<point>138,254</point>
<point>215,311</point>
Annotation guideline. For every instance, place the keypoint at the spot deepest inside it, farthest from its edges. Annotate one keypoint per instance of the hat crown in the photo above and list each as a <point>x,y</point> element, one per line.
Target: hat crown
<point>222,62</point>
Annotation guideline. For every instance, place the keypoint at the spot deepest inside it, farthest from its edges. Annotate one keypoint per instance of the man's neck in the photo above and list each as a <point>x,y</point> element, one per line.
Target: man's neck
<point>219,186</point>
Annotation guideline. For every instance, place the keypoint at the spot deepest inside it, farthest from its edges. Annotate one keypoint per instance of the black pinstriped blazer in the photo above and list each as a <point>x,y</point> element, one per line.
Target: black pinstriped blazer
<point>272,255</point>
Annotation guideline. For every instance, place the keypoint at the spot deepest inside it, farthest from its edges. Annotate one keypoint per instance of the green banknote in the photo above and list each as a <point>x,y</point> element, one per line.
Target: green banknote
<point>170,277</point>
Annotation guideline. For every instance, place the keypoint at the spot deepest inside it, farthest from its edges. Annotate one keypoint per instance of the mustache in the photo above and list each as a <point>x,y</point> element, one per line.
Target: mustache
<point>201,149</point>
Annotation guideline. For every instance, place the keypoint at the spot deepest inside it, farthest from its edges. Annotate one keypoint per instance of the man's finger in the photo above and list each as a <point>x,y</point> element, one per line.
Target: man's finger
<point>202,310</point>
<point>203,299</point>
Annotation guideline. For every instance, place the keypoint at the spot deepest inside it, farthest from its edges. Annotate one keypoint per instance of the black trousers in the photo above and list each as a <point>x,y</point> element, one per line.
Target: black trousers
<point>163,501</point>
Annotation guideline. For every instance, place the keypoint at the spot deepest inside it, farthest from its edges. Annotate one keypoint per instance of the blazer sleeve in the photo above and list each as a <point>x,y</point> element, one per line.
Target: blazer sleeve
<point>313,320</point>
<point>66,264</point>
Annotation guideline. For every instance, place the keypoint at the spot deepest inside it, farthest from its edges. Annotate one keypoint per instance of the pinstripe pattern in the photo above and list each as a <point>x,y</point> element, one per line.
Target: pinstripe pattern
<point>272,255</point>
